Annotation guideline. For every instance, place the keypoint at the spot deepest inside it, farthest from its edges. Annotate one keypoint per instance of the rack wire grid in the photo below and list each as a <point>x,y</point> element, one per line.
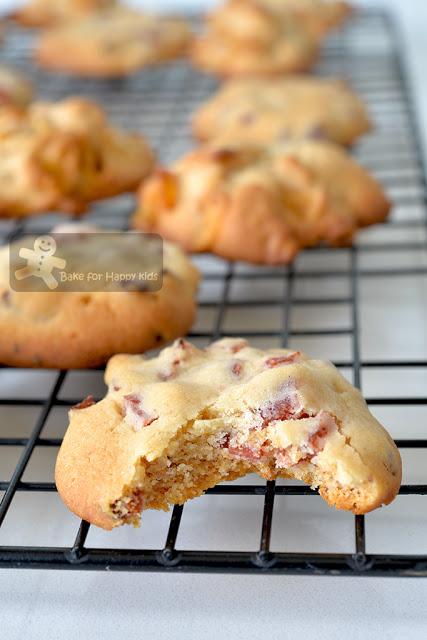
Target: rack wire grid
<point>333,303</point>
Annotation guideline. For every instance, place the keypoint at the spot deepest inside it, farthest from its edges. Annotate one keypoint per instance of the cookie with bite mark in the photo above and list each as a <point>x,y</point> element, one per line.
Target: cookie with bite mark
<point>173,426</point>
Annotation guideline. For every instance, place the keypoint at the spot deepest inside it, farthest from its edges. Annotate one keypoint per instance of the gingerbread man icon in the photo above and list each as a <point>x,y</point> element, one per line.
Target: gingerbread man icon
<point>41,261</point>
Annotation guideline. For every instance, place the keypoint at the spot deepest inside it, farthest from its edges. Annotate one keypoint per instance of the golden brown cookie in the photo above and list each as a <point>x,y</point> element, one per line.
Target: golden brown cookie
<point>171,427</point>
<point>113,43</point>
<point>318,16</point>
<point>44,13</point>
<point>264,111</point>
<point>244,38</point>
<point>261,204</point>
<point>15,89</point>
<point>68,329</point>
<point>63,155</point>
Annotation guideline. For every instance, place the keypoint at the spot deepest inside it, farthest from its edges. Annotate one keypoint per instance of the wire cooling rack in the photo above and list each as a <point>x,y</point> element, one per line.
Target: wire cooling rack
<point>353,306</point>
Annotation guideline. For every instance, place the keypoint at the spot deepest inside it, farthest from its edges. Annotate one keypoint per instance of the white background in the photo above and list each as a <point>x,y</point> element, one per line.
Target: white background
<point>85,605</point>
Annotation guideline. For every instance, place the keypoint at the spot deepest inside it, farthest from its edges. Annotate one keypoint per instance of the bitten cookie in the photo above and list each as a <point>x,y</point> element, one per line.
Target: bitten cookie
<point>61,156</point>
<point>246,39</point>
<point>60,329</point>
<point>173,426</point>
<point>263,111</point>
<point>261,204</point>
<point>113,43</point>
<point>44,13</point>
<point>15,90</point>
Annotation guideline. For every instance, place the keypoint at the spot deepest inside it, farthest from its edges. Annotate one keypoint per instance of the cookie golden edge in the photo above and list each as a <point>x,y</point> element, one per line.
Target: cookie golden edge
<point>229,216</point>
<point>95,467</point>
<point>72,182</point>
<point>275,245</point>
<point>86,330</point>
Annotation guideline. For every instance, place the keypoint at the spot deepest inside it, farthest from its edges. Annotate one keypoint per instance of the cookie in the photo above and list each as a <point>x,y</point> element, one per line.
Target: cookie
<point>318,16</point>
<point>261,204</point>
<point>45,13</point>
<point>15,89</point>
<point>171,427</point>
<point>245,39</point>
<point>112,43</point>
<point>63,155</point>
<point>68,329</point>
<point>264,111</point>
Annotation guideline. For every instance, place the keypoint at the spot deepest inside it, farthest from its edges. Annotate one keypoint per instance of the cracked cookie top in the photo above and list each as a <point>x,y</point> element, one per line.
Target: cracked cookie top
<point>60,156</point>
<point>279,198</point>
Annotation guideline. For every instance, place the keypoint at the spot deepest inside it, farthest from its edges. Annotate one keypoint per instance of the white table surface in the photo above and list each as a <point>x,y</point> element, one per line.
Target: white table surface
<point>53,604</point>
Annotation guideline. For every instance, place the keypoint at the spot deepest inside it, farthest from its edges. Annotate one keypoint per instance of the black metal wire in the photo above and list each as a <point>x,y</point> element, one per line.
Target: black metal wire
<point>29,447</point>
<point>159,103</point>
